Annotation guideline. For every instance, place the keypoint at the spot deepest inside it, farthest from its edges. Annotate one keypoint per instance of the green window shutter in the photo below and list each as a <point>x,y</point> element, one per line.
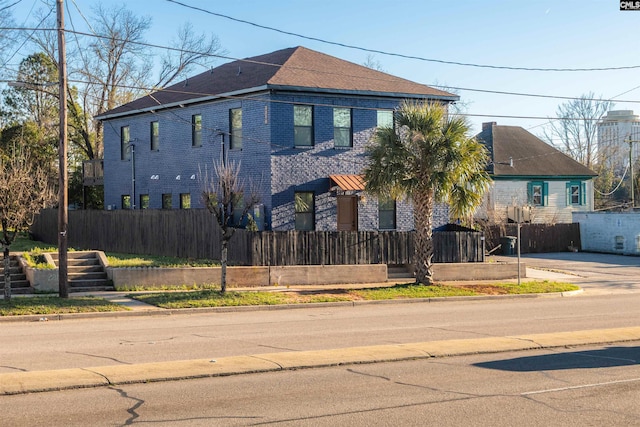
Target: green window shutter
<point>568,193</point>
<point>545,194</point>
<point>583,193</point>
<point>530,192</point>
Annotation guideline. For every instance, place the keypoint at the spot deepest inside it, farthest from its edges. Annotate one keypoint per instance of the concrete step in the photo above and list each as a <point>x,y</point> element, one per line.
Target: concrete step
<point>398,272</point>
<point>17,284</point>
<point>91,288</point>
<point>76,283</point>
<point>14,277</point>
<point>85,268</point>
<point>99,275</point>
<point>81,262</point>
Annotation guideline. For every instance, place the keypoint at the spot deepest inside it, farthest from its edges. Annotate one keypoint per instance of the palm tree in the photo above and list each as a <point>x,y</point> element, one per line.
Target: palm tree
<point>427,158</point>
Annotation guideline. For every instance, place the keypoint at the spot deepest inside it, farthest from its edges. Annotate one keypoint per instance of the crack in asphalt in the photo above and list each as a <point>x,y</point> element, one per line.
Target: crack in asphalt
<point>353,371</point>
<point>99,357</point>
<point>132,410</point>
<point>15,369</point>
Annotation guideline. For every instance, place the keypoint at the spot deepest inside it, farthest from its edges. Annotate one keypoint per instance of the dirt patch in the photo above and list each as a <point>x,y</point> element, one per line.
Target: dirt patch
<point>485,289</point>
<point>324,294</point>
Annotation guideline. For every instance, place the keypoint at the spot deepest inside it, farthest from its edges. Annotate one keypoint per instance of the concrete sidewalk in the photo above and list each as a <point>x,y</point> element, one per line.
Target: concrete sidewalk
<point>42,381</point>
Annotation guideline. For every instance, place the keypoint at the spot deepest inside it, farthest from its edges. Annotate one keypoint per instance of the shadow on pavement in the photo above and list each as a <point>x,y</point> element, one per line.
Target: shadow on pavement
<point>586,359</point>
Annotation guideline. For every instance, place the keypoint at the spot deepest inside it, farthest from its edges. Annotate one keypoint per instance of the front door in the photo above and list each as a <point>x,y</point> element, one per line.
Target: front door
<point>347,213</point>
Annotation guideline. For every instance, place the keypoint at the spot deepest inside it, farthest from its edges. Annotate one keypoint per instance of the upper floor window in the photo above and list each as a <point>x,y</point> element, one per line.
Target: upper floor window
<point>303,125</point>
<point>235,128</point>
<point>125,137</point>
<point>385,118</point>
<point>304,204</point>
<point>576,193</point>
<point>342,135</point>
<point>537,193</point>
<point>154,136</point>
<point>386,213</point>
<point>196,130</point>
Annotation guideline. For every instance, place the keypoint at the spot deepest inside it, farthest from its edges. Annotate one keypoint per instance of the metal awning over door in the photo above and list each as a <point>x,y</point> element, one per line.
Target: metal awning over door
<point>347,182</point>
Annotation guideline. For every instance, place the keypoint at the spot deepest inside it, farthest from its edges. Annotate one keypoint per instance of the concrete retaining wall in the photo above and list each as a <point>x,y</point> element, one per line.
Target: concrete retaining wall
<point>248,276</point>
<point>477,271</point>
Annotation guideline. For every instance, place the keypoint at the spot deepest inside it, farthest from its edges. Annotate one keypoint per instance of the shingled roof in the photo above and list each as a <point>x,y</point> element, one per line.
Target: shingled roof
<point>518,153</point>
<point>296,68</point>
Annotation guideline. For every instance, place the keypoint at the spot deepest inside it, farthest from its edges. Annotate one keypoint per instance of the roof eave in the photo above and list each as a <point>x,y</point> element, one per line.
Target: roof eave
<point>540,177</point>
<point>182,103</point>
<point>451,98</point>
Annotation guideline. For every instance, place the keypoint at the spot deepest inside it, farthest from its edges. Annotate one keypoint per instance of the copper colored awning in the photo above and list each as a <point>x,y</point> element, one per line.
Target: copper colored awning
<point>347,182</point>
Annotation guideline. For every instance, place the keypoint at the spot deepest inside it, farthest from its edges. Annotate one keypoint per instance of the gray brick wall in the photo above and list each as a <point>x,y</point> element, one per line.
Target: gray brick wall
<point>268,157</point>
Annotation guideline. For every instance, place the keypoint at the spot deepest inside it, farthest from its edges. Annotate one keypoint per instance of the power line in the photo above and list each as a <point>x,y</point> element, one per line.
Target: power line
<point>489,91</point>
<point>10,5</point>
<point>26,39</point>
<point>399,55</point>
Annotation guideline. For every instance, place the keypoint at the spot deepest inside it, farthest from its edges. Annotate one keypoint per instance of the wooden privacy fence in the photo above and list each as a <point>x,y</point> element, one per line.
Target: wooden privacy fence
<point>193,233</point>
<point>536,238</point>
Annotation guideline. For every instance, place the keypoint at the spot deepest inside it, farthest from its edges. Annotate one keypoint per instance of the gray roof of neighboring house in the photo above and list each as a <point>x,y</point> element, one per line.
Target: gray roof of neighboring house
<point>518,153</point>
<point>296,68</point>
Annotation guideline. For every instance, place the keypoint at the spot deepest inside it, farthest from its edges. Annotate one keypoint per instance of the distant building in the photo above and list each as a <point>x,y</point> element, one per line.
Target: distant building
<point>531,174</point>
<point>615,130</point>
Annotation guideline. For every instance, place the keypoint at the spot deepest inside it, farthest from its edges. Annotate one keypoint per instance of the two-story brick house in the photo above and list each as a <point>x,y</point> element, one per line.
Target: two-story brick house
<point>528,173</point>
<point>296,120</point>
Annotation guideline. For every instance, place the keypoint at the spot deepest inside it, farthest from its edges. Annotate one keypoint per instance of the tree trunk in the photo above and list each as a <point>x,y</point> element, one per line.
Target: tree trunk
<point>7,275</point>
<point>223,263</point>
<point>423,217</point>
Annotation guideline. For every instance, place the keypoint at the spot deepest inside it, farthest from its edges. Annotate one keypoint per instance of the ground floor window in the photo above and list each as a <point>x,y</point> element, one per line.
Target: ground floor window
<point>166,201</point>
<point>185,201</point>
<point>126,201</point>
<point>386,213</point>
<point>305,210</point>
<point>144,201</point>
<point>537,193</point>
<point>576,193</point>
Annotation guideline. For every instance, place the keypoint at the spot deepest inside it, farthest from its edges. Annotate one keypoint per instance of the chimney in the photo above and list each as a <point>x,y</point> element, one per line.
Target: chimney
<point>488,125</point>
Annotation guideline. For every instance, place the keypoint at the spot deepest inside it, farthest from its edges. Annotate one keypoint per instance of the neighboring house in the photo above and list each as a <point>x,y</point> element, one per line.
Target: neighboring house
<point>296,120</point>
<point>530,174</point>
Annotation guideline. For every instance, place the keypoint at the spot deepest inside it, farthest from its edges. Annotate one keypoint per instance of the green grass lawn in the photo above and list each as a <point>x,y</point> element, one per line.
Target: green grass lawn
<point>214,298</point>
<point>33,254</point>
<point>47,305</point>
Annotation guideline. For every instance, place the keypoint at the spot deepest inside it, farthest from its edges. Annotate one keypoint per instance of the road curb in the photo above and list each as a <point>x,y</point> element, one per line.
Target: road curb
<point>42,381</point>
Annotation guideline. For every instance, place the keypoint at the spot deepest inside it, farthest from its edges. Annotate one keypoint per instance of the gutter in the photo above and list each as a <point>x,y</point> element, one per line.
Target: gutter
<point>274,88</point>
<point>182,103</point>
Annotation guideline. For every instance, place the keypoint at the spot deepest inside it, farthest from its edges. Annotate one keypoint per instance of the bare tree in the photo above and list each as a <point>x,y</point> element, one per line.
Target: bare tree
<point>189,49</point>
<point>7,37</point>
<point>223,193</point>
<point>24,190</point>
<point>576,127</point>
<point>113,65</point>
<point>373,63</point>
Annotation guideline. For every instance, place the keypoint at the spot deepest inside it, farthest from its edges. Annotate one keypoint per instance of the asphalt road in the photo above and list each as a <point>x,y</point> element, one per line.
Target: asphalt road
<point>99,342</point>
<point>597,386</point>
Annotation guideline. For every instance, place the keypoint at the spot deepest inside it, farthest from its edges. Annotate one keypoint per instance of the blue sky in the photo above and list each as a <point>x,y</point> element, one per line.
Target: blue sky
<point>534,34</point>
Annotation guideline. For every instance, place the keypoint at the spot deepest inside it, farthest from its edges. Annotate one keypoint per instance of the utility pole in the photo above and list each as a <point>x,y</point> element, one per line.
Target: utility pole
<point>63,197</point>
